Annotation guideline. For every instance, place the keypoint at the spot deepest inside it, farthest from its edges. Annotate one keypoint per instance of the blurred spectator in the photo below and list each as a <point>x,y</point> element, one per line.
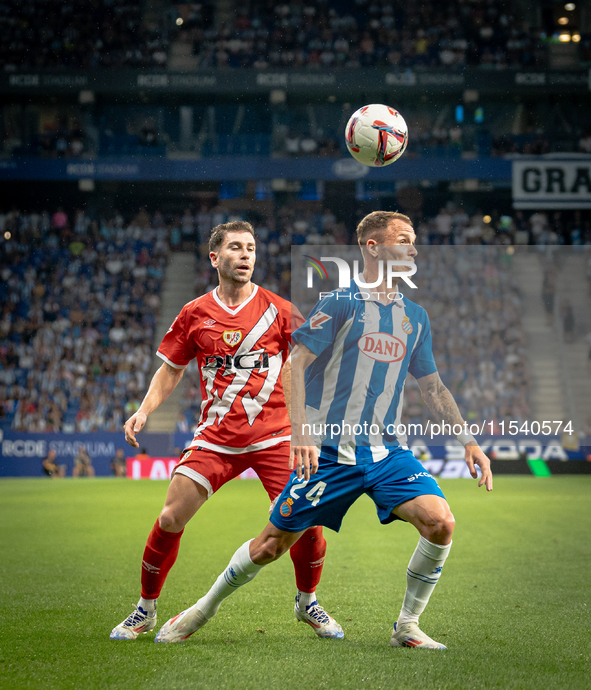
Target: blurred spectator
<point>82,464</point>
<point>548,290</point>
<point>59,219</point>
<point>568,321</point>
<point>585,142</point>
<point>118,463</point>
<point>443,226</point>
<point>51,468</point>
<point>148,135</point>
<point>182,426</point>
<point>528,144</point>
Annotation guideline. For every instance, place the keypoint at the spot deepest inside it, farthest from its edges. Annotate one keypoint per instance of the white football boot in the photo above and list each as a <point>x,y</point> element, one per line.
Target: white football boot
<point>409,635</point>
<point>139,621</point>
<point>182,626</point>
<point>315,616</point>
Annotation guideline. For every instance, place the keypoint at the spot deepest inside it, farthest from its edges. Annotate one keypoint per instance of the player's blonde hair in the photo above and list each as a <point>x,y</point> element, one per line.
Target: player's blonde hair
<point>218,234</point>
<point>376,223</point>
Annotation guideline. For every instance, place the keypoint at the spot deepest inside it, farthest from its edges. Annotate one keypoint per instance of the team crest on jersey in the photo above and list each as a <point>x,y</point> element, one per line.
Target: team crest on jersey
<point>232,338</point>
<point>285,509</point>
<point>186,455</point>
<point>318,319</point>
<point>407,325</point>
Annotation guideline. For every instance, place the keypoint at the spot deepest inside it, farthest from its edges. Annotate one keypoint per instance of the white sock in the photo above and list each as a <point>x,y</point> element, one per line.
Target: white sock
<point>148,605</point>
<point>305,599</point>
<point>240,570</point>
<point>422,575</point>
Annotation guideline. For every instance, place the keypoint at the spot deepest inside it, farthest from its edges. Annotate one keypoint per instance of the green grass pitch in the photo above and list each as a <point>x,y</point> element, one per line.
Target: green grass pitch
<point>512,605</point>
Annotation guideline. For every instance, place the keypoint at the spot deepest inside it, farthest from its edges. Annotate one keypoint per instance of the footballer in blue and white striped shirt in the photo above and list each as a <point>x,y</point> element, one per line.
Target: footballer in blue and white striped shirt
<point>346,375</point>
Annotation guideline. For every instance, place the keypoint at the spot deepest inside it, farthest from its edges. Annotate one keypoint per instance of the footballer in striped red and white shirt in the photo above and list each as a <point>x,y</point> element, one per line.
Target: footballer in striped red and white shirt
<point>240,352</point>
<point>240,335</point>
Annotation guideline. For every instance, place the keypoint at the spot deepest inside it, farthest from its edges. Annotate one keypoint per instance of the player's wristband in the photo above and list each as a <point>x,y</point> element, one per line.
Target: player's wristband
<point>465,439</point>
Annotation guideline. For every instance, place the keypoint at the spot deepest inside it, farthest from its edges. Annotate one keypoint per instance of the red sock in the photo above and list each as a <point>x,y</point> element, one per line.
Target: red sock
<point>160,554</point>
<point>307,555</point>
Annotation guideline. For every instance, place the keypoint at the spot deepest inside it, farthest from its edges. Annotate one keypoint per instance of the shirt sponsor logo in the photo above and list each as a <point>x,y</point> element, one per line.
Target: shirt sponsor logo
<point>382,347</point>
<point>318,319</point>
<point>247,360</point>
<point>232,338</point>
<point>210,323</point>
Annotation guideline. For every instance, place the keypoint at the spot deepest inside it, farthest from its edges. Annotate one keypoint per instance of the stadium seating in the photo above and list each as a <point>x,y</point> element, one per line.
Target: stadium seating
<point>312,130</point>
<point>78,318</point>
<point>483,325</point>
<point>262,34</point>
<point>81,298</point>
<point>368,34</point>
<point>74,34</point>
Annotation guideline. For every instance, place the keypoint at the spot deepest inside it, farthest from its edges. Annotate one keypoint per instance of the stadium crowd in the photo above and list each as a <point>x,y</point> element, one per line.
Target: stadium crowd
<point>313,131</point>
<point>263,34</point>
<point>453,225</point>
<point>80,301</point>
<point>368,33</point>
<point>78,34</point>
<point>479,341</point>
<point>63,138</point>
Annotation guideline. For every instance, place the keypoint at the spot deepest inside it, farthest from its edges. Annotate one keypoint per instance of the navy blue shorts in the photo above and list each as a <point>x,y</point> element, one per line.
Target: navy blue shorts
<point>327,495</point>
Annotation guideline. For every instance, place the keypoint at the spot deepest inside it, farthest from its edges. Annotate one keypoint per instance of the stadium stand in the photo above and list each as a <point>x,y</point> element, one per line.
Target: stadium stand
<point>480,343</point>
<point>88,291</point>
<point>262,34</point>
<point>80,301</point>
<point>478,338</point>
<point>366,33</point>
<point>74,34</point>
<point>298,130</point>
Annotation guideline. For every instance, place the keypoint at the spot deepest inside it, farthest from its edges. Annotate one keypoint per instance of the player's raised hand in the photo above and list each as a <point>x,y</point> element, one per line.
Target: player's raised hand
<point>475,456</point>
<point>133,426</point>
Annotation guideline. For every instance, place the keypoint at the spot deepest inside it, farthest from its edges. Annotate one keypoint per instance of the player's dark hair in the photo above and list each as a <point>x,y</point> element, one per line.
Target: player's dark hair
<point>218,234</point>
<point>376,222</point>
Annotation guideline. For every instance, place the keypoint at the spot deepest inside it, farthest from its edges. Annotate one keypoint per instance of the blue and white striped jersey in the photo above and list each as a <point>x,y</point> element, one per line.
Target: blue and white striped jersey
<point>363,350</point>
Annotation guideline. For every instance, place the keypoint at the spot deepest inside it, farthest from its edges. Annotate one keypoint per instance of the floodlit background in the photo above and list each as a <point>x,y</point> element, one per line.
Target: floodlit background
<point>130,128</point>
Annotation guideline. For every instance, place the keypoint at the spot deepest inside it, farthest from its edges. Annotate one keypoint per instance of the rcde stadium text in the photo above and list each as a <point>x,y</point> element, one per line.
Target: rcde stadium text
<point>39,449</point>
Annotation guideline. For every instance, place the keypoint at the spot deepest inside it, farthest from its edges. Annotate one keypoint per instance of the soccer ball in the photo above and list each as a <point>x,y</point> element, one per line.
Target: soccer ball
<point>376,135</point>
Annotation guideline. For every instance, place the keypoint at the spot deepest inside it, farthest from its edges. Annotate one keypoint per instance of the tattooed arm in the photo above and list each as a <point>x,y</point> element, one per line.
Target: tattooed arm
<point>441,403</point>
<point>439,400</point>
